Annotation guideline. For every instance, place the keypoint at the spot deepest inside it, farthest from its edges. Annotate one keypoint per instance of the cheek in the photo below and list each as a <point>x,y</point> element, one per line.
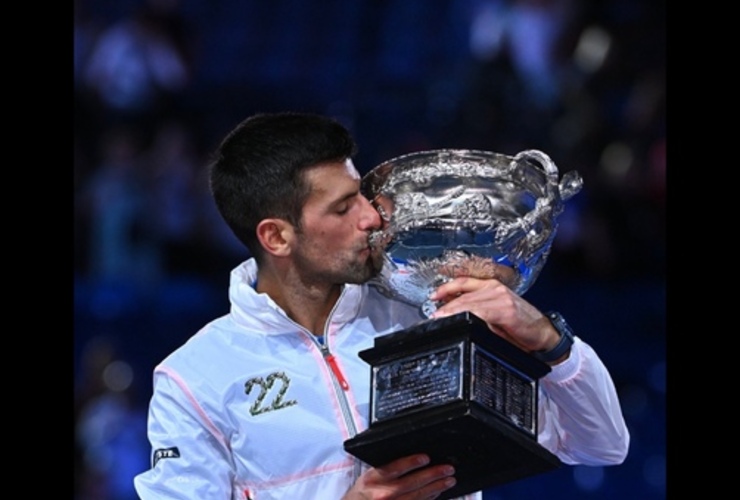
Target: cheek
<point>333,228</point>
<point>314,228</point>
<point>329,232</point>
<point>321,238</point>
<point>333,236</point>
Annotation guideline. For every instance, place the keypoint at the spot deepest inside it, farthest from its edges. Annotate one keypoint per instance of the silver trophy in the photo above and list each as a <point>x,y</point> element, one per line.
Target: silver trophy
<point>449,387</point>
<point>454,212</point>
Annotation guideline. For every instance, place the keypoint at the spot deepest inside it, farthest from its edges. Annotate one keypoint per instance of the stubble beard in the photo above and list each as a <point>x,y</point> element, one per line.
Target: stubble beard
<point>353,271</point>
<point>362,272</point>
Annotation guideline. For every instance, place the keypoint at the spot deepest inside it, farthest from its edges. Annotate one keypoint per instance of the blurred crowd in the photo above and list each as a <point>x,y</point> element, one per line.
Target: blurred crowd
<point>157,82</point>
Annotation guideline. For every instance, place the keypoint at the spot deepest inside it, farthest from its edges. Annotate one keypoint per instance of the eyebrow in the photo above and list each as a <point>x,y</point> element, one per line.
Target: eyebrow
<point>345,198</point>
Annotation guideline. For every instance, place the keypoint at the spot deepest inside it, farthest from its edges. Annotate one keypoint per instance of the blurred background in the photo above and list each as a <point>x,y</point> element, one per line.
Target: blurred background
<point>158,83</point>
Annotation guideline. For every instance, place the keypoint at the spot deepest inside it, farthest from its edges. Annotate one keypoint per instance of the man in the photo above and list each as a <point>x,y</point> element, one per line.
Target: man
<point>258,403</point>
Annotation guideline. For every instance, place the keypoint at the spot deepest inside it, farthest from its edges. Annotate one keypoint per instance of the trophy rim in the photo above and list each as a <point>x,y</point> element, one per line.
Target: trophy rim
<point>381,170</point>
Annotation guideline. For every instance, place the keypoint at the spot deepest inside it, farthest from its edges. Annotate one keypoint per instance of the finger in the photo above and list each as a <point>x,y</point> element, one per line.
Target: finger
<point>480,300</point>
<point>469,288</point>
<point>401,466</point>
<point>428,482</point>
<point>455,287</point>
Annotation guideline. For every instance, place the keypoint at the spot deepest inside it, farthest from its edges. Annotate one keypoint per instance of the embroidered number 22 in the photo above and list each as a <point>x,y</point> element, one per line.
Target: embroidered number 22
<point>265,386</point>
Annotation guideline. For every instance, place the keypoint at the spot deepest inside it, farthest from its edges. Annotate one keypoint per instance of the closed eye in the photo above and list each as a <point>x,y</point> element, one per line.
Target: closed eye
<point>348,203</point>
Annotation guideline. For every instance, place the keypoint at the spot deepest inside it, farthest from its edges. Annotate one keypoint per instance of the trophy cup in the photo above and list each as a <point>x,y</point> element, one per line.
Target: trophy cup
<point>450,387</point>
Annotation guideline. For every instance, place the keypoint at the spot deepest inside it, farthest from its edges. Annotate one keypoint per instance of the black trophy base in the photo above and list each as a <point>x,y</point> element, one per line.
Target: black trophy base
<point>452,389</point>
<point>485,450</point>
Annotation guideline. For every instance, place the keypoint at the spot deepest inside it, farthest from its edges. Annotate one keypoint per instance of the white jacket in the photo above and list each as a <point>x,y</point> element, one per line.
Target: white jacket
<point>249,407</point>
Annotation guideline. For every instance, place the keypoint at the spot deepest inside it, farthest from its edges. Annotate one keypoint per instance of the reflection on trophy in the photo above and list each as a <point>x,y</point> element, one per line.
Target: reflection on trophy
<point>450,387</point>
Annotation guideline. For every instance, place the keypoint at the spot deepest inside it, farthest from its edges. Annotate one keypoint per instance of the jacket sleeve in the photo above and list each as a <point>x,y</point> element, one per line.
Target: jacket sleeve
<point>190,457</point>
<point>580,418</point>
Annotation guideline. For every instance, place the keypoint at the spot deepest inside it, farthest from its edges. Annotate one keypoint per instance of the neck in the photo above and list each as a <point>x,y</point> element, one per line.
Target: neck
<point>309,306</point>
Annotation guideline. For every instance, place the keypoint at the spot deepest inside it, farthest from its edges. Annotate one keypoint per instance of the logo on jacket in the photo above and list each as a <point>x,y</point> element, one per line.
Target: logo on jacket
<point>165,453</point>
<point>277,395</point>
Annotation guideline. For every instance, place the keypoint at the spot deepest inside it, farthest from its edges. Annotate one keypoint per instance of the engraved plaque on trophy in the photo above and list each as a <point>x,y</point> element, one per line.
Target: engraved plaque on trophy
<point>450,387</point>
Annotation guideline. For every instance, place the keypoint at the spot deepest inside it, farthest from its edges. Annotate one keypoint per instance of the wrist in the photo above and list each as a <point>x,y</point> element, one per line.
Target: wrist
<point>561,349</point>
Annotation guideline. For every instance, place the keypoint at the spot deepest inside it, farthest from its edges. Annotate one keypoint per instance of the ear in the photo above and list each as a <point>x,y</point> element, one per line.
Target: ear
<point>275,236</point>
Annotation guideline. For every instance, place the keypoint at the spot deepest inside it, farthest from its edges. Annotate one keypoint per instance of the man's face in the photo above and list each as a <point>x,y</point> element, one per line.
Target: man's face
<point>332,244</point>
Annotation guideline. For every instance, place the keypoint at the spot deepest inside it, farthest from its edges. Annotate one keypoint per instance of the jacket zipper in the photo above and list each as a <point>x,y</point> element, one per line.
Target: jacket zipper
<point>332,361</point>
<point>341,382</point>
<point>341,385</point>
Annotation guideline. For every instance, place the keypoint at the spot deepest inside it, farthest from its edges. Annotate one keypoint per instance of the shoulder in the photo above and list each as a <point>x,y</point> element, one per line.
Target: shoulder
<point>209,344</point>
<point>389,314</point>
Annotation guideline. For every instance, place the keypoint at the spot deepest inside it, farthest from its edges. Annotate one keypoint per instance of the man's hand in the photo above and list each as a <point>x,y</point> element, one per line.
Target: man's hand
<point>505,312</point>
<point>406,478</point>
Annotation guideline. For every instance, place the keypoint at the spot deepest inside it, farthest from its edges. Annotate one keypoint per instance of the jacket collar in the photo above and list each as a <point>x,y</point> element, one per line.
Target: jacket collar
<point>257,311</point>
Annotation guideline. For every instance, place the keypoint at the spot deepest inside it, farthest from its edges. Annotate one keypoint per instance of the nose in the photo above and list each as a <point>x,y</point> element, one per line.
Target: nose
<point>370,219</point>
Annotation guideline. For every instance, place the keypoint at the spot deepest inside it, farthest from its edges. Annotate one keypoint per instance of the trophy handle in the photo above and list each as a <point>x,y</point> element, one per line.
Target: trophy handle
<point>547,164</point>
<point>556,189</point>
<point>531,245</point>
<point>570,184</point>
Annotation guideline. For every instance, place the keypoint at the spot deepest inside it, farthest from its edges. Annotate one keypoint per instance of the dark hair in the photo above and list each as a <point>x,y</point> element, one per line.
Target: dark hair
<point>257,171</point>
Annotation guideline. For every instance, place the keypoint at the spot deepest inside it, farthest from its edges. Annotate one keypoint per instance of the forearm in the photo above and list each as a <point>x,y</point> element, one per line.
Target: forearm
<point>580,415</point>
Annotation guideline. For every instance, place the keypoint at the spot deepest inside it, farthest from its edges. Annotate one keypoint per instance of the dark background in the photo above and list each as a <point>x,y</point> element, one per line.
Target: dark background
<point>158,82</point>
